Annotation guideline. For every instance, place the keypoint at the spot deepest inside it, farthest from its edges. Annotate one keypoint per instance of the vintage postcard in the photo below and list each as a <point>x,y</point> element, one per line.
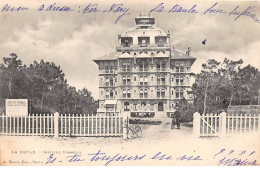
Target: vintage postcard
<point>129,83</point>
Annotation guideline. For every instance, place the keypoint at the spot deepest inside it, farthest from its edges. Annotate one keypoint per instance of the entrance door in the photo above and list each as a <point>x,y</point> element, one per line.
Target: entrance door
<point>160,106</point>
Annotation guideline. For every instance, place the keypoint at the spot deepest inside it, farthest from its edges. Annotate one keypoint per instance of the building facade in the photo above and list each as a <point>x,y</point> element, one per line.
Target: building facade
<point>145,77</point>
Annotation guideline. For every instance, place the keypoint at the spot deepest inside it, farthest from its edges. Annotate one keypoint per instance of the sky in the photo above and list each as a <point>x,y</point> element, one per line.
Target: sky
<point>73,39</point>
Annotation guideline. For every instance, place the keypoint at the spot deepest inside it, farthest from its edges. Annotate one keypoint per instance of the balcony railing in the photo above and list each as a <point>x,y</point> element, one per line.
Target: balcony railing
<point>180,84</point>
<point>106,71</point>
<point>126,84</point>
<point>161,83</point>
<point>143,69</point>
<point>143,83</point>
<point>161,69</point>
<point>126,69</point>
<point>109,84</point>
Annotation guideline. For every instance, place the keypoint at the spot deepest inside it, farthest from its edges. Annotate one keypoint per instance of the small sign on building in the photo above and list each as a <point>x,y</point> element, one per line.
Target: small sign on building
<point>16,107</point>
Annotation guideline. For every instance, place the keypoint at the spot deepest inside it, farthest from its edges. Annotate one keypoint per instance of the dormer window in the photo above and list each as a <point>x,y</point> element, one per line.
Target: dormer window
<point>143,41</point>
<point>160,41</point>
<point>126,41</point>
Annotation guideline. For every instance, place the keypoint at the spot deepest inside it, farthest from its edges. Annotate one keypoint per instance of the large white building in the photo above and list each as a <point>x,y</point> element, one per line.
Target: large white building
<point>145,77</point>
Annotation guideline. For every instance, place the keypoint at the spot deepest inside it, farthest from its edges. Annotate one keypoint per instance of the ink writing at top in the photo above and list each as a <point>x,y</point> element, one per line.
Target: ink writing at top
<point>214,9</point>
<point>7,8</point>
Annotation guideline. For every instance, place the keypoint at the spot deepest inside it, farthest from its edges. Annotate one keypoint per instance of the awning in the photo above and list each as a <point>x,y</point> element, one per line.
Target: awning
<point>113,102</point>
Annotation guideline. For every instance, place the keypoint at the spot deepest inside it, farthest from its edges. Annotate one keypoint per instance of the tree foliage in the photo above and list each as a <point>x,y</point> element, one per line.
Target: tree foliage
<point>219,85</point>
<point>44,85</point>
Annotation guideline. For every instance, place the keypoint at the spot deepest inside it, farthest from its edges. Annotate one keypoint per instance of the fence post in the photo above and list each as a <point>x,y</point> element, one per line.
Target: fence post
<point>196,125</point>
<point>223,117</point>
<point>125,126</point>
<point>56,124</point>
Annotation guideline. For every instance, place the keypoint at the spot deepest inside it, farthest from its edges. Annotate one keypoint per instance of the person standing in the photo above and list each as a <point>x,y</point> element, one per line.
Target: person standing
<point>173,121</point>
<point>178,117</point>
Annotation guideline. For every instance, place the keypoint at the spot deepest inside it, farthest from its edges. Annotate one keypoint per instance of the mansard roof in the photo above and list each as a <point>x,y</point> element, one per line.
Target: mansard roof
<point>175,55</point>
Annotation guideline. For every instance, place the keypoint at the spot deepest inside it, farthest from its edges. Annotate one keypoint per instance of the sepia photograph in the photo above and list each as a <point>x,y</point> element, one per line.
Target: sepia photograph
<point>129,83</point>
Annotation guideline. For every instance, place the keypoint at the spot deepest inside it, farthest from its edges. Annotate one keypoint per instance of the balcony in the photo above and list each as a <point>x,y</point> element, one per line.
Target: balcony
<point>103,71</point>
<point>181,84</point>
<point>161,69</point>
<point>143,83</point>
<point>126,69</point>
<point>143,69</point>
<point>161,83</point>
<point>127,84</point>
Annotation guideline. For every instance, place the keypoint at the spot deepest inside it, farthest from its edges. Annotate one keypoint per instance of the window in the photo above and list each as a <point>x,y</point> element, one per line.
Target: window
<point>145,93</point>
<point>143,66</point>
<point>126,41</point>
<point>179,93</point>
<point>111,94</point>
<point>163,79</point>
<point>101,93</point>
<point>126,106</point>
<point>126,80</point>
<point>158,80</point>
<point>161,40</point>
<point>158,66</point>
<point>126,67</point>
<point>135,106</point>
<point>163,93</point>
<point>141,80</point>
<point>107,81</point>
<point>107,94</point>
<point>143,41</point>
<point>141,93</point>
<point>179,67</point>
<point>158,93</point>
<point>128,93</point>
<point>143,105</point>
<point>106,69</point>
<point>124,93</point>
<point>161,66</point>
<point>145,80</point>
<point>134,78</point>
<point>179,80</point>
<point>111,81</point>
<point>160,106</point>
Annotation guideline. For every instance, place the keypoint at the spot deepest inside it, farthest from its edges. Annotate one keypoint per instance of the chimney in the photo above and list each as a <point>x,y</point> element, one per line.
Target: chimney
<point>189,51</point>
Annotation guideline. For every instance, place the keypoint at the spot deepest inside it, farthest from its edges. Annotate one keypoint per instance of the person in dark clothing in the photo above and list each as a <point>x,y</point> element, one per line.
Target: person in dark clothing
<point>178,117</point>
<point>173,121</point>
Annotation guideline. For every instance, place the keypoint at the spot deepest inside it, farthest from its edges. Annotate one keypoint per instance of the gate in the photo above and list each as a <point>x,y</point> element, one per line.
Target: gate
<point>211,125</point>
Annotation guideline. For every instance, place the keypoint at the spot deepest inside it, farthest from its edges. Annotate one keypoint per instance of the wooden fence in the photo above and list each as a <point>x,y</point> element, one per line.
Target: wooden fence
<point>62,125</point>
<point>31,125</point>
<point>90,125</point>
<point>225,125</point>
